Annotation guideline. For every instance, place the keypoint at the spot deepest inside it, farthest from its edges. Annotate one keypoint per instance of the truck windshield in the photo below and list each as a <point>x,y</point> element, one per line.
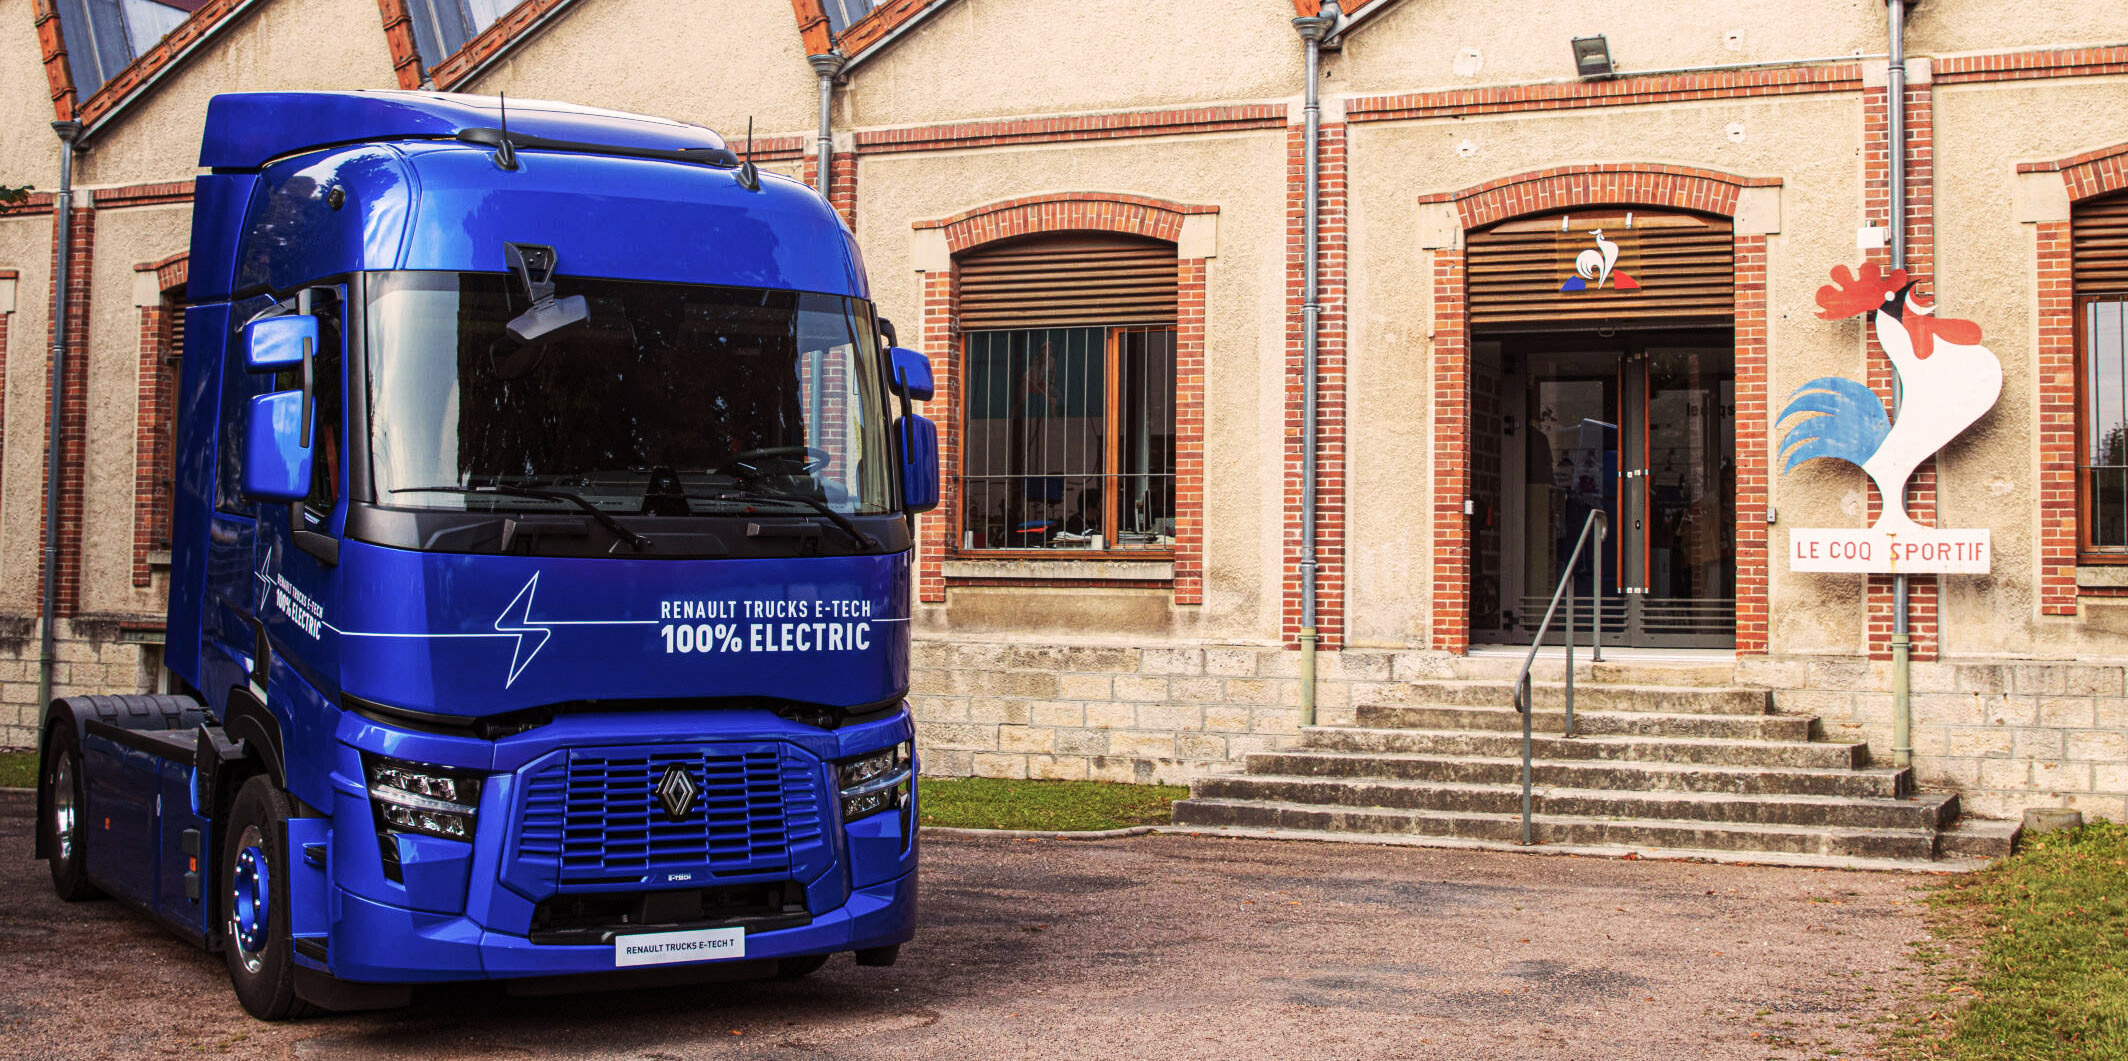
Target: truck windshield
<point>671,399</point>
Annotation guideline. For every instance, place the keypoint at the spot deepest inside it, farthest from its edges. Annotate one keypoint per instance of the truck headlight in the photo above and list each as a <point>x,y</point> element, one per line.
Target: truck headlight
<point>414,798</point>
<point>876,782</point>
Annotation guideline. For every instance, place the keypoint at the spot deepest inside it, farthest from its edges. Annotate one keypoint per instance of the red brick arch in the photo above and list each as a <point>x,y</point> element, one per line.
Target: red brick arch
<point>1578,187</point>
<point>1133,215</point>
<point>1111,212</point>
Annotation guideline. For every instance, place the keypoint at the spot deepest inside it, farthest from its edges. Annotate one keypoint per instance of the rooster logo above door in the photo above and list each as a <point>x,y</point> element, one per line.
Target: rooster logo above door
<point>1597,266</point>
<point>1948,381</point>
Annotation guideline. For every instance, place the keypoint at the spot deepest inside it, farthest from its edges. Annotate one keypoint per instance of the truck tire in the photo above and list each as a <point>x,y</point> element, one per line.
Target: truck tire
<point>64,804</point>
<point>254,904</point>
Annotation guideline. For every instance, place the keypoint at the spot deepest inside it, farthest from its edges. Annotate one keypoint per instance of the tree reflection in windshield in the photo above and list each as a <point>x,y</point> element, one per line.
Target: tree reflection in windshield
<point>669,396</point>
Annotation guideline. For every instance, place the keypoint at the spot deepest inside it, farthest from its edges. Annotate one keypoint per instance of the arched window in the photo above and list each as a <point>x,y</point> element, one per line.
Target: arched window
<point>1069,410</point>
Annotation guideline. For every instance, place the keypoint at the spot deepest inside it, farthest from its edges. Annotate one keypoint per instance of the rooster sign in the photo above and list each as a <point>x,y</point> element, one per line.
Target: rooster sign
<point>1947,382</point>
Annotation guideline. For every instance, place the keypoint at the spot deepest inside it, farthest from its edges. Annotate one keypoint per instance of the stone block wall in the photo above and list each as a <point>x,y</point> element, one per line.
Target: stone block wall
<point>2004,734</point>
<point>1107,712</point>
<point>91,659</point>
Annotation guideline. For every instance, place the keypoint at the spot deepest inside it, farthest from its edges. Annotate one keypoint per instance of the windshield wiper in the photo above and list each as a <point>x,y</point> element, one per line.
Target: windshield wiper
<point>841,522</point>
<point>635,541</point>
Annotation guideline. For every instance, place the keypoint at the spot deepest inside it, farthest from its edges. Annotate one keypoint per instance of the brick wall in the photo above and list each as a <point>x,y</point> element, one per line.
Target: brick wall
<point>1921,263</point>
<point>1330,386</point>
<point>72,435</point>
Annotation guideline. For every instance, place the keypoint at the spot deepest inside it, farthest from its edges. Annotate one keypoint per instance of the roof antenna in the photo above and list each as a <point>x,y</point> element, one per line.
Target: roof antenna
<point>749,177</point>
<point>505,155</point>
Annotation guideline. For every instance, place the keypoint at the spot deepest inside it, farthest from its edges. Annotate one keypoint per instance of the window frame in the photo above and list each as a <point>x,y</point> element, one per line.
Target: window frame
<point>422,15</point>
<point>2088,553</point>
<point>1111,431</point>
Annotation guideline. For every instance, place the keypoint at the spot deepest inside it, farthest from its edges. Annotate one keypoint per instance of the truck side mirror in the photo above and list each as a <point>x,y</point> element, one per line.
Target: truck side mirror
<point>276,344</point>
<point>277,429</point>
<point>276,452</point>
<point>912,374</point>
<point>919,464</point>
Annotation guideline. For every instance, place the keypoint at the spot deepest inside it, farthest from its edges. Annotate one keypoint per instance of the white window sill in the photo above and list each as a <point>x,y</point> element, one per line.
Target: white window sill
<point>2102,576</point>
<point>1114,570</point>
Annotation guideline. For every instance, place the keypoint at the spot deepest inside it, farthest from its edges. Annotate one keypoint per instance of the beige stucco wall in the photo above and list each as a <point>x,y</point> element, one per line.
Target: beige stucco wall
<point>986,58</point>
<point>712,63</point>
<point>1425,44</point>
<point>29,153</point>
<point>1985,267</point>
<point>1243,174</point>
<point>1947,26</point>
<point>1812,144</point>
<point>26,247</point>
<point>131,236</point>
<point>285,45</point>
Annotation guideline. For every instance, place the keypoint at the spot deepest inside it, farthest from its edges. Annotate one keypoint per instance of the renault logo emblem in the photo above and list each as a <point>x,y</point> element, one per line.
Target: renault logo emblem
<point>676,790</point>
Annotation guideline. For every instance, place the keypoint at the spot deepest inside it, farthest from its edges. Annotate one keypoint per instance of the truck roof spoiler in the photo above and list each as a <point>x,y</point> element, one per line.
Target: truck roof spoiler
<point>246,130</point>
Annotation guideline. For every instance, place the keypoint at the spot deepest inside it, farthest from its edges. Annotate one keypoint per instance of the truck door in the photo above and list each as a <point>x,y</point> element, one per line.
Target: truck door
<point>229,632</point>
<point>298,550</point>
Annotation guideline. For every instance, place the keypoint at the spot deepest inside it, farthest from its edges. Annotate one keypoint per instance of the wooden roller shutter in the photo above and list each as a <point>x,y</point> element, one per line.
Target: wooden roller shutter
<point>1523,272</point>
<point>2099,236</point>
<point>1078,279</point>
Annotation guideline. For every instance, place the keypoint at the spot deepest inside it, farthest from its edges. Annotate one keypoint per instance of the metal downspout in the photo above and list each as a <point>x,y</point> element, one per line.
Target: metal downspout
<point>827,65</point>
<point>63,215</point>
<point>1312,30</point>
<point>1902,642</point>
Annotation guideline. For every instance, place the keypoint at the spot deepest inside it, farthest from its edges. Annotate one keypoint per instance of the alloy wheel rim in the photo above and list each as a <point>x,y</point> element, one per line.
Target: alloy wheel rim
<point>63,813</point>
<point>250,899</point>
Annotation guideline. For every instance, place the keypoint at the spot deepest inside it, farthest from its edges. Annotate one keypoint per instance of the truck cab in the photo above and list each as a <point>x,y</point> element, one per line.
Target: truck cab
<point>540,579</point>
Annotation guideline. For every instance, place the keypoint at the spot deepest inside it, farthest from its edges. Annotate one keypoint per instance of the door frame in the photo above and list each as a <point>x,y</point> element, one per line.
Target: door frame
<point>1754,206</point>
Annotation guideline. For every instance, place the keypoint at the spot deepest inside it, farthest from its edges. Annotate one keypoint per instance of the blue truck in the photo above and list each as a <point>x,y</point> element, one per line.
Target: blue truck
<point>539,592</point>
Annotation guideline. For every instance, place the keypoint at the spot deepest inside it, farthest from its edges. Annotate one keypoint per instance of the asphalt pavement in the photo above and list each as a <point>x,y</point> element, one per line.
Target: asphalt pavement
<point>1162,946</point>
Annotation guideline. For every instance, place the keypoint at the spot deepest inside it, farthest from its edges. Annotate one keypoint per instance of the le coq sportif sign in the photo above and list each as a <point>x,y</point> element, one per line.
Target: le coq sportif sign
<point>1947,382</point>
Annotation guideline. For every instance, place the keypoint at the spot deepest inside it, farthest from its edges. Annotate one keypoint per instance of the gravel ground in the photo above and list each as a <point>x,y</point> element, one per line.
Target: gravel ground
<point>1162,946</point>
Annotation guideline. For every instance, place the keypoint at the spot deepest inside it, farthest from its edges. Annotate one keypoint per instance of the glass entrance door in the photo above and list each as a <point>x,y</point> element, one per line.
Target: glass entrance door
<point>1644,433</point>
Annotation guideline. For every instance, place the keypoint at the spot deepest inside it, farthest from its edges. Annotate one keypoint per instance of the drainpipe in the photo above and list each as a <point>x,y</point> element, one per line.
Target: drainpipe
<point>1902,642</point>
<point>63,215</point>
<point>827,65</point>
<point>1312,30</point>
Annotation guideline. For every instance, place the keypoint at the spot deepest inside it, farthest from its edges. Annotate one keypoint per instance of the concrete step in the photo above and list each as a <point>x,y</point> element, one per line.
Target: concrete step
<point>1929,811</point>
<point>1492,743</point>
<point>1603,723</point>
<point>1980,838</point>
<point>1617,671</point>
<point>1915,845</point>
<point>1585,774</point>
<point>1661,699</point>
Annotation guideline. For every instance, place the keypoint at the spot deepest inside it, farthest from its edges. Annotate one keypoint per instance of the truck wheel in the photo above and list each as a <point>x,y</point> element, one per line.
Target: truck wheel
<point>254,911</point>
<point>64,807</point>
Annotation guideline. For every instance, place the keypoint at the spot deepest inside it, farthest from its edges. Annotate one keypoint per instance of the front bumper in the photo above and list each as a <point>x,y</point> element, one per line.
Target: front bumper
<point>449,910</point>
<point>375,943</point>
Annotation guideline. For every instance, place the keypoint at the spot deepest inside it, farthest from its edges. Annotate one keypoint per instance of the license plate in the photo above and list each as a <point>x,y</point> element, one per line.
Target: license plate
<point>665,948</point>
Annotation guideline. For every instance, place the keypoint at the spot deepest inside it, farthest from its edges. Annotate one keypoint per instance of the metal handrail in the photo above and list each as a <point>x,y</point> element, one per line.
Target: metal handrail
<point>1599,525</point>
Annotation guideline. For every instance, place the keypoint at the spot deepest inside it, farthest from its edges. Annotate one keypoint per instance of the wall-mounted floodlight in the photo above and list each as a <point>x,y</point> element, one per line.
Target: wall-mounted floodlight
<point>1592,56</point>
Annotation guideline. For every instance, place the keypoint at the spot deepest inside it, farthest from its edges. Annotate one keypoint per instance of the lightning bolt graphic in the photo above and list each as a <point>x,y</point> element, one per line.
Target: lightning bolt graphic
<point>523,629</point>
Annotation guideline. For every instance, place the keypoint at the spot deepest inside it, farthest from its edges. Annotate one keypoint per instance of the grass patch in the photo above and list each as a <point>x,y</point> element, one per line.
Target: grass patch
<point>18,769</point>
<point>1060,806</point>
<point>2047,977</point>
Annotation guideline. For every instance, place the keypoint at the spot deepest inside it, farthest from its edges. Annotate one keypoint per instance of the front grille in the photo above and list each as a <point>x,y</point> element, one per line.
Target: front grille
<point>592,816</point>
